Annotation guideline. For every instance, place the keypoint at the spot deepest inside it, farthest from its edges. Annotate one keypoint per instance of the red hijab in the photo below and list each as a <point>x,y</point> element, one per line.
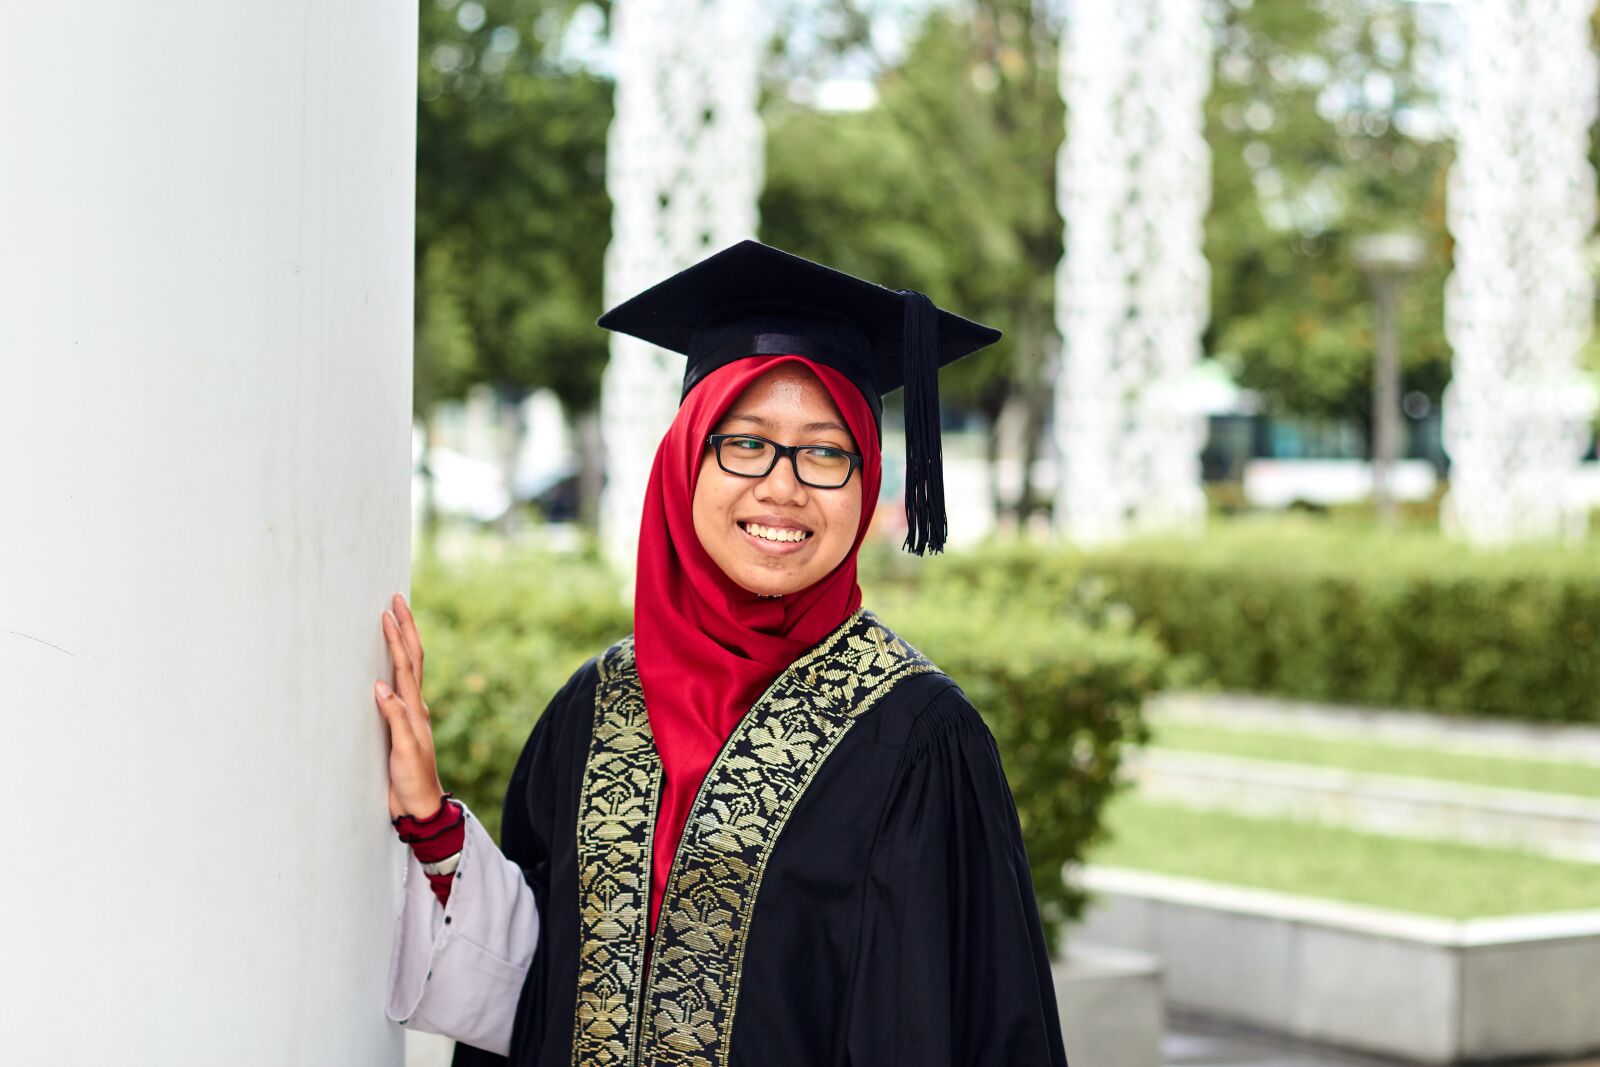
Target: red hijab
<point>705,647</point>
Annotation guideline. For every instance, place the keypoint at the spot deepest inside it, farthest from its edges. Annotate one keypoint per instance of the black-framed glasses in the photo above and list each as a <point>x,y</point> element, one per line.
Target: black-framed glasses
<point>749,456</point>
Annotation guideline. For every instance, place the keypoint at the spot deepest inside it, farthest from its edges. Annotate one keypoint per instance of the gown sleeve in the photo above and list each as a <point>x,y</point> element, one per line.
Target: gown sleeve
<point>952,968</point>
<point>457,970</point>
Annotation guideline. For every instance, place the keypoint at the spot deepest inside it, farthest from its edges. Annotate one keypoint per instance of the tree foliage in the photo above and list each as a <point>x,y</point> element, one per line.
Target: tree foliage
<point>1322,131</point>
<point>512,215</point>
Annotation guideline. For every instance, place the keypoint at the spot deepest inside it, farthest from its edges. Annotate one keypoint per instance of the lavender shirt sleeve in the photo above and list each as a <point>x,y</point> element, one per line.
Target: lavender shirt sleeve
<point>458,970</point>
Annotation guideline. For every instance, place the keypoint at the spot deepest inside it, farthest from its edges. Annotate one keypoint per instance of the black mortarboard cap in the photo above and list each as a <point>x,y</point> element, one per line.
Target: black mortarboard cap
<point>751,299</point>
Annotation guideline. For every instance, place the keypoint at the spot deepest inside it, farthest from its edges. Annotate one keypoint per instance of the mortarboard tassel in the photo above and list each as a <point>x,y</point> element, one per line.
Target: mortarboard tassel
<point>925,515</point>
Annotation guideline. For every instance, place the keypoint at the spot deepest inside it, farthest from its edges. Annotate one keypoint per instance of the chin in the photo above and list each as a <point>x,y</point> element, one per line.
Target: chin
<point>767,583</point>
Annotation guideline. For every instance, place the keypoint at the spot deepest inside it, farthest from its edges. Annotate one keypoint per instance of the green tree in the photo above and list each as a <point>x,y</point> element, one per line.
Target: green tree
<point>1321,131</point>
<point>512,214</point>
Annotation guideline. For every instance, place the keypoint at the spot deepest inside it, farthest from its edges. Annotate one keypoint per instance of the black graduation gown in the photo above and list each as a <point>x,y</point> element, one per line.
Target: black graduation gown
<point>883,916</point>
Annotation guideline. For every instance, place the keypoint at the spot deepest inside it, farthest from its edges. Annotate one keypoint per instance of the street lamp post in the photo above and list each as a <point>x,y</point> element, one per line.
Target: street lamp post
<point>1387,259</point>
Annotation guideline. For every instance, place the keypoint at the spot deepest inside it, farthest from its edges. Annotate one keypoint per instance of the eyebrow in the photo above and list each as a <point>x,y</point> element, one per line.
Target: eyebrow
<point>810,427</point>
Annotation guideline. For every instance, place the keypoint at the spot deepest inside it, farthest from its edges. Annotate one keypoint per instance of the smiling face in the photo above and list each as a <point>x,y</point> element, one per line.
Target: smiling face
<point>774,535</point>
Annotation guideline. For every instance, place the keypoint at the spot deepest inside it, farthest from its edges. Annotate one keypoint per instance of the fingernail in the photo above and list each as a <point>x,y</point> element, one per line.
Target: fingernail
<point>383,690</point>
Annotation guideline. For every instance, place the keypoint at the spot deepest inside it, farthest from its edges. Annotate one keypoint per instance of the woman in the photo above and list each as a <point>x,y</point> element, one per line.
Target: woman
<point>764,830</point>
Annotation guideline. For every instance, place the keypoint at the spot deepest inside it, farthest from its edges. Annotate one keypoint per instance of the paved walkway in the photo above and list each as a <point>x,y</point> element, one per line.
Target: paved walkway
<point>1192,1043</point>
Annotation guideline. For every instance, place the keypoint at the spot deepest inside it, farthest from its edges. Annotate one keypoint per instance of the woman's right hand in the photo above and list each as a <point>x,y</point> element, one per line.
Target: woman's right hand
<point>414,787</point>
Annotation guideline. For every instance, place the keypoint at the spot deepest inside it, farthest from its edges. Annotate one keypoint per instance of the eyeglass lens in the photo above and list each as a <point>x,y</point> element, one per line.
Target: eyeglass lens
<point>817,465</point>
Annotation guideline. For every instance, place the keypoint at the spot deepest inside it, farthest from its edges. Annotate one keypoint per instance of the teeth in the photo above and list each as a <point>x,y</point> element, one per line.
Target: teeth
<point>772,533</point>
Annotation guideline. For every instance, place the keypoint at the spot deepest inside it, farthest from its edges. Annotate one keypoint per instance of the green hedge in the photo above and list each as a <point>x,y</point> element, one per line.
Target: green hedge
<point>1315,611</point>
<point>1062,691</point>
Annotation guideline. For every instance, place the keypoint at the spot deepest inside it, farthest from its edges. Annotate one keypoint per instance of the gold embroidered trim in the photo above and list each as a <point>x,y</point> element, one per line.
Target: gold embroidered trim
<point>616,810</point>
<point>742,807</point>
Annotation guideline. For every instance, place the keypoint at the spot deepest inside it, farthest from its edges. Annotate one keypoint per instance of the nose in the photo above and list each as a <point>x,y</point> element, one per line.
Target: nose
<point>781,485</point>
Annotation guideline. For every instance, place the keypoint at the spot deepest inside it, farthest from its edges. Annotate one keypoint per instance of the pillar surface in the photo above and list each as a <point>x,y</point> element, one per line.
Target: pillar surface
<point>205,381</point>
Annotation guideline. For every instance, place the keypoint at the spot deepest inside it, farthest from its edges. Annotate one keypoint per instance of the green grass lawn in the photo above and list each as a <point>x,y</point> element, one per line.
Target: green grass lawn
<point>1377,757</point>
<point>1437,878</point>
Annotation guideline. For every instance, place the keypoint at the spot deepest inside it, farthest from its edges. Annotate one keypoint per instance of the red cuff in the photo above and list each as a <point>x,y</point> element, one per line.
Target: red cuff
<point>412,829</point>
<point>446,843</point>
<point>433,839</point>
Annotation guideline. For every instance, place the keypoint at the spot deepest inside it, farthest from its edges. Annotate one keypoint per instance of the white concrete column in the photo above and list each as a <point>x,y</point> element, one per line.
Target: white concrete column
<point>205,380</point>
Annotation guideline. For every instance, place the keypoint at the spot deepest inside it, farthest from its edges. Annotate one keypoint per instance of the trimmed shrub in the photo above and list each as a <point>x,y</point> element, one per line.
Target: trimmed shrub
<point>1302,610</point>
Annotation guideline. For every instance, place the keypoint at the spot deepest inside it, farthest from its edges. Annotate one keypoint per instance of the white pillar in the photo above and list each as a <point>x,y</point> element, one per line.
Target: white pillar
<point>1133,288</point>
<point>1520,304</point>
<point>684,167</point>
<point>205,381</point>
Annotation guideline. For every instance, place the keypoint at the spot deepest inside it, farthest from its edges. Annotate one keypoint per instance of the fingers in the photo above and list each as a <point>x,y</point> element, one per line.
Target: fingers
<point>405,677</point>
<point>408,631</point>
<point>393,709</point>
<point>413,778</point>
<point>409,732</point>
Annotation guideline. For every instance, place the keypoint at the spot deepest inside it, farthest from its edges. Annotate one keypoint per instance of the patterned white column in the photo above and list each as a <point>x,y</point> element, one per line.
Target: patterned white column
<point>684,167</point>
<point>1519,306</point>
<point>1133,288</point>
